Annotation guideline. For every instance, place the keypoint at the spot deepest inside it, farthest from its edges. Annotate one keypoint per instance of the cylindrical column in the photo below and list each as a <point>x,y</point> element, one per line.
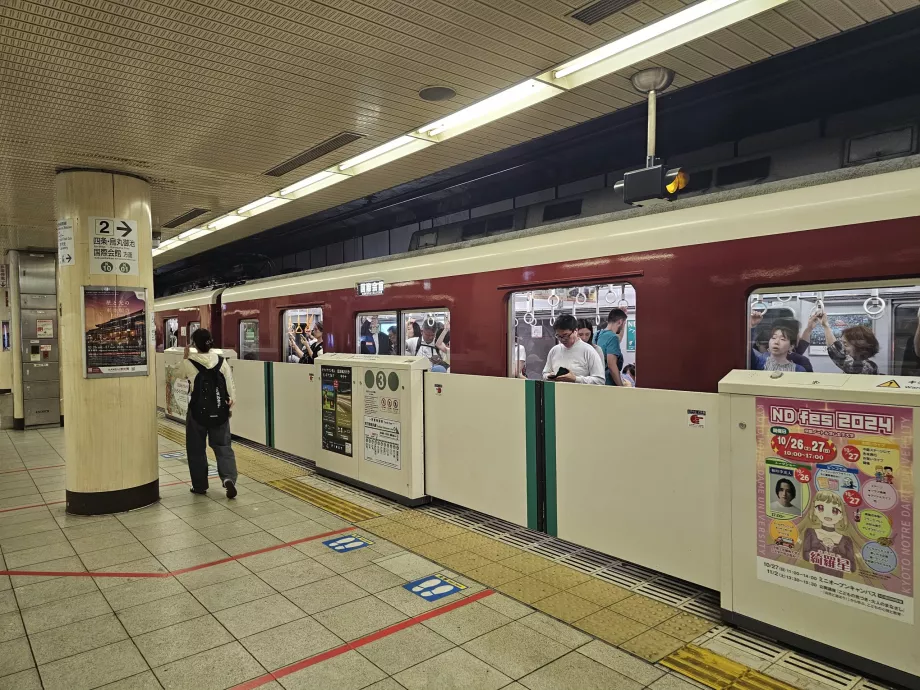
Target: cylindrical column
<point>109,399</point>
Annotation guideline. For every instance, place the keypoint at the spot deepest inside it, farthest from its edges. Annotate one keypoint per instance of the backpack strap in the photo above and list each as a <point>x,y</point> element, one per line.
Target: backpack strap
<point>220,362</point>
<point>198,366</point>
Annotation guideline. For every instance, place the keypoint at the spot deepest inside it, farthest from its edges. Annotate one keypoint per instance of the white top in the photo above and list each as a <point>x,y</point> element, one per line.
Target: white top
<point>580,359</point>
<point>417,346</point>
<point>519,353</point>
<point>209,359</point>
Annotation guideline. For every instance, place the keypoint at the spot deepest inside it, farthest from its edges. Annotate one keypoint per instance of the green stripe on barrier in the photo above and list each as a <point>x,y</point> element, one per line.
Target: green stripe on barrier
<point>530,417</point>
<point>269,397</point>
<point>549,454</point>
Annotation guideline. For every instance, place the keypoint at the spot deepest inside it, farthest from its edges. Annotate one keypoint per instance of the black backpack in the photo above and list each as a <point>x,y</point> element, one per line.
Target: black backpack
<point>210,404</point>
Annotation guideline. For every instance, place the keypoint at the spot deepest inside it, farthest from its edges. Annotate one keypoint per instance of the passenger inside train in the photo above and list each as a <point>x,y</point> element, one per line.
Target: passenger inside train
<point>307,349</point>
<point>572,360</point>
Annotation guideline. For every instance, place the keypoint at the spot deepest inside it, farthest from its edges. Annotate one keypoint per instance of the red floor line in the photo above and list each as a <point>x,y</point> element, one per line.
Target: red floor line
<point>35,505</point>
<point>182,570</point>
<point>184,481</point>
<point>30,469</point>
<point>360,642</point>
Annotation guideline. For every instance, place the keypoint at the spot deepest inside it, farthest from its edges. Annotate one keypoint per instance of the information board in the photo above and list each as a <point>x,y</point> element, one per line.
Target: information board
<point>115,331</point>
<point>113,249</point>
<point>65,242</point>
<point>834,501</point>
<point>382,421</point>
<point>336,409</point>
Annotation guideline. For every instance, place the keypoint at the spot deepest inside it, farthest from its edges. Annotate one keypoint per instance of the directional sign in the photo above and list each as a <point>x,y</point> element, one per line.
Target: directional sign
<point>114,246</point>
<point>65,242</point>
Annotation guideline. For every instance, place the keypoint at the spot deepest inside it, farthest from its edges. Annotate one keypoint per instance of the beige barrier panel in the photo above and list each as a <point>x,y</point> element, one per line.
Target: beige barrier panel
<point>160,363</point>
<point>638,476</point>
<point>476,443</point>
<point>295,407</point>
<point>249,414</point>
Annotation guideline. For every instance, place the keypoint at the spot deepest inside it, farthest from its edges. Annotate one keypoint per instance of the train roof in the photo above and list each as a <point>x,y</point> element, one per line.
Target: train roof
<point>876,191</point>
<point>187,299</point>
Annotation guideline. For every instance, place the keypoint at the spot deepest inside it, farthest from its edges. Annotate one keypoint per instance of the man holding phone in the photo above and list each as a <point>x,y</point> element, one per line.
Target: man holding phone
<point>572,360</point>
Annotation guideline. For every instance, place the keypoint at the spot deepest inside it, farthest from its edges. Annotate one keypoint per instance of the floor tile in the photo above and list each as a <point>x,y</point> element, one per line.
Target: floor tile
<point>646,611</point>
<point>94,560</point>
<point>93,668</point>
<point>527,563</point>
<point>196,555</point>
<point>622,662</point>
<point>64,612</point>
<point>182,640</point>
<point>358,618</point>
<point>215,669</point>
<point>295,574</point>
<point>97,542</point>
<point>325,594</point>
<point>349,671</point>
<point>444,530</point>
<point>21,559</point>
<point>566,607</point>
<point>386,684</point>
<point>248,543</point>
<point>455,669</point>
<point>161,613</point>
<point>197,579</point>
<point>373,578</point>
<point>174,542</point>
<point>261,510</point>
<point>528,589</point>
<point>24,680</point>
<point>272,559</point>
<point>161,529</point>
<point>515,649</point>
<point>232,593</point>
<point>409,538</point>
<point>279,518</point>
<point>577,672</point>
<point>411,604</point>
<point>53,590</point>
<point>94,528</point>
<point>142,681</point>
<point>600,592</point>
<point>408,566</point>
<point>15,656</point>
<point>142,591</point>
<point>11,626</point>
<point>506,606</point>
<point>686,626</point>
<point>464,561</point>
<point>344,562</point>
<point>76,638</point>
<point>291,642</point>
<point>144,565</point>
<point>671,681</point>
<point>71,564</point>
<point>555,630</point>
<point>611,626</point>
<point>31,541</point>
<point>256,616</point>
<point>465,623</point>
<point>405,648</point>
<point>495,550</point>
<point>229,529</point>
<point>297,530</point>
<point>8,601</point>
<point>652,645</point>
<point>213,519</point>
<point>437,549</point>
<point>561,576</point>
<point>494,574</point>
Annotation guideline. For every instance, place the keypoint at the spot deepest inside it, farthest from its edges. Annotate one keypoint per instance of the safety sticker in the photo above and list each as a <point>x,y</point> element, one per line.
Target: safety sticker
<point>176,454</point>
<point>434,587</point>
<point>696,419</point>
<point>347,543</point>
<point>889,384</point>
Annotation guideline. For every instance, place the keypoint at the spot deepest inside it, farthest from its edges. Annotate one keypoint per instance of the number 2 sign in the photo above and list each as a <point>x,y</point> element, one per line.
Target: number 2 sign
<point>113,250</point>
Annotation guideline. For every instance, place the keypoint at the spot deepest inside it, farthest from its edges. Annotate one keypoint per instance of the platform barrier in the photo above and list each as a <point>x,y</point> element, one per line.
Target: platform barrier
<point>251,410</point>
<point>160,369</point>
<point>295,409</point>
<point>634,473</point>
<point>477,449</point>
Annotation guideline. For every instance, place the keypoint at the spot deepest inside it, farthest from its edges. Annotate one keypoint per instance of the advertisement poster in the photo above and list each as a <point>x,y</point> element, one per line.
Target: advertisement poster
<point>835,502</point>
<point>336,409</point>
<point>382,425</point>
<point>115,331</point>
<point>177,392</point>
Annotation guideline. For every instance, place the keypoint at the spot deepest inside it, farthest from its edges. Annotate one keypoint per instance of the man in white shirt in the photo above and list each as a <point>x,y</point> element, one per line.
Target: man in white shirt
<point>581,361</point>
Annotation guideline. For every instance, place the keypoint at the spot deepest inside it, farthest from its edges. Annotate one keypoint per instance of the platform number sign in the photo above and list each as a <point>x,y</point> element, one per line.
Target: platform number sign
<point>114,246</point>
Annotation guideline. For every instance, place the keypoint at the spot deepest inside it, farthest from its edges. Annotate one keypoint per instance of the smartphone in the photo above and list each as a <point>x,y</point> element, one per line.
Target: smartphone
<point>562,371</point>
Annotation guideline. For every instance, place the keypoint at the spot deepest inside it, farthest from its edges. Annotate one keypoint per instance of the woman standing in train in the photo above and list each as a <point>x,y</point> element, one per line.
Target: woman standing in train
<point>586,333</point>
<point>312,347</point>
<point>852,352</point>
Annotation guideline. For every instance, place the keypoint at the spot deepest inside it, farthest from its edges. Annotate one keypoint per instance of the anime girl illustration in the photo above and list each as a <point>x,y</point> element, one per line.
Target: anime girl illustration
<point>829,540</point>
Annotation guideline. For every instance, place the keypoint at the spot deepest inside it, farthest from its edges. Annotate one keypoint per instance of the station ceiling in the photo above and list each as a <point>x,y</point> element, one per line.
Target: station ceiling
<point>204,98</point>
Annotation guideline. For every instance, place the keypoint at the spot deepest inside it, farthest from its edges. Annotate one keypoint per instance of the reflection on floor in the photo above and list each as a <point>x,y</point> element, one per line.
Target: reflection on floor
<point>270,590</point>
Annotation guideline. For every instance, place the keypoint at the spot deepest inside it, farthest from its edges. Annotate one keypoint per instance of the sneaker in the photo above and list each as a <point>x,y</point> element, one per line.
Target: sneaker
<point>231,488</point>
<point>200,492</point>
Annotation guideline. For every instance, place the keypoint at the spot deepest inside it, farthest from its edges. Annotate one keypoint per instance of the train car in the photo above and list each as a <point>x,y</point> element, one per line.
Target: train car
<point>843,241</point>
<point>178,316</point>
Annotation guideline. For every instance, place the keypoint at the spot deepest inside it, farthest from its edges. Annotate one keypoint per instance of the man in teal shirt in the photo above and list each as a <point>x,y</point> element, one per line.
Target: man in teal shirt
<point>608,340</point>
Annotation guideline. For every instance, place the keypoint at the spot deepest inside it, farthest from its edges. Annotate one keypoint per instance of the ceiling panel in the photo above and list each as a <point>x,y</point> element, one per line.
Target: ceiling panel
<point>201,98</point>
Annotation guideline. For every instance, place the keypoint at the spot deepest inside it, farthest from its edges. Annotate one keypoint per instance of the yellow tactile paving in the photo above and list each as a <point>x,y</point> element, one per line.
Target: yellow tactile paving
<point>561,576</point>
<point>644,610</point>
<point>464,561</point>
<point>526,563</point>
<point>685,626</point>
<point>652,645</point>
<point>496,551</point>
<point>321,499</point>
<point>566,607</point>
<point>493,574</point>
<point>706,667</point>
<point>611,626</point>
<point>528,589</point>
<point>602,593</point>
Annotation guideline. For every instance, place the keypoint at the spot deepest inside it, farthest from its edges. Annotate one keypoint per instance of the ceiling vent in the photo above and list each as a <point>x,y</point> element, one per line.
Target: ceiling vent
<point>185,217</point>
<point>318,151</point>
<point>596,11</point>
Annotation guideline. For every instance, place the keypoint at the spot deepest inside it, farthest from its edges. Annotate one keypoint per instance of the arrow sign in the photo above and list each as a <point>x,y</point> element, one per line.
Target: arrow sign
<point>126,227</point>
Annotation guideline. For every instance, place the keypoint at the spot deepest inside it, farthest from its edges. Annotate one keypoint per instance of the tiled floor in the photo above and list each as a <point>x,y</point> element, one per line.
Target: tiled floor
<point>201,592</point>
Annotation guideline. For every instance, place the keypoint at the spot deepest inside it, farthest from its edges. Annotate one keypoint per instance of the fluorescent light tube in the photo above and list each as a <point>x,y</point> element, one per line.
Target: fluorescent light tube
<point>490,109</point>
<point>242,210</point>
<point>670,32</point>
<point>225,221</point>
<point>390,151</point>
<point>266,203</point>
<point>194,234</point>
<point>311,184</point>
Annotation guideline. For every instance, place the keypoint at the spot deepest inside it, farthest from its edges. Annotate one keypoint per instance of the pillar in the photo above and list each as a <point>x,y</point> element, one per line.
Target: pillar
<point>110,428</point>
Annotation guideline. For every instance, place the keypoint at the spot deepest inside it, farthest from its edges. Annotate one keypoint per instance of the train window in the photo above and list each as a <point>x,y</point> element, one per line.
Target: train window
<point>298,328</point>
<point>192,327</point>
<point>378,333</point>
<point>534,311</point>
<point>249,339</point>
<point>859,330</point>
<point>171,333</point>
<point>428,335</point>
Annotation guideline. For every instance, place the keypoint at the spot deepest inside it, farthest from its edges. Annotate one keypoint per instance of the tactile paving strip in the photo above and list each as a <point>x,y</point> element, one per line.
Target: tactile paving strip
<point>717,672</point>
<point>321,499</point>
<point>259,466</point>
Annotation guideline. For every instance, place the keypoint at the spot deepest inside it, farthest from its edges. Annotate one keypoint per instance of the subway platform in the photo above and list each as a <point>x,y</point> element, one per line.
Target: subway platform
<point>301,582</point>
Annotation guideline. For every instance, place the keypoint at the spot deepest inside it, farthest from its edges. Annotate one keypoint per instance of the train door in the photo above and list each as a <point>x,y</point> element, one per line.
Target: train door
<point>249,339</point>
<point>377,333</point>
<point>427,333</point>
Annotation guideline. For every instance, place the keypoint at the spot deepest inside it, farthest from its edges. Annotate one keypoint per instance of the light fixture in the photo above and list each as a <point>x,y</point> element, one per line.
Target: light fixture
<point>311,184</point>
<point>194,234</point>
<point>258,206</point>
<point>493,108</point>
<point>390,151</point>
<point>670,32</point>
<point>225,221</point>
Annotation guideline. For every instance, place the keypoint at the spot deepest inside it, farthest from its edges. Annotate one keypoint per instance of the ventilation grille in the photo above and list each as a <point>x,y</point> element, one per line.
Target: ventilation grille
<point>824,673</point>
<point>318,151</point>
<point>601,9</point>
<point>185,217</point>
